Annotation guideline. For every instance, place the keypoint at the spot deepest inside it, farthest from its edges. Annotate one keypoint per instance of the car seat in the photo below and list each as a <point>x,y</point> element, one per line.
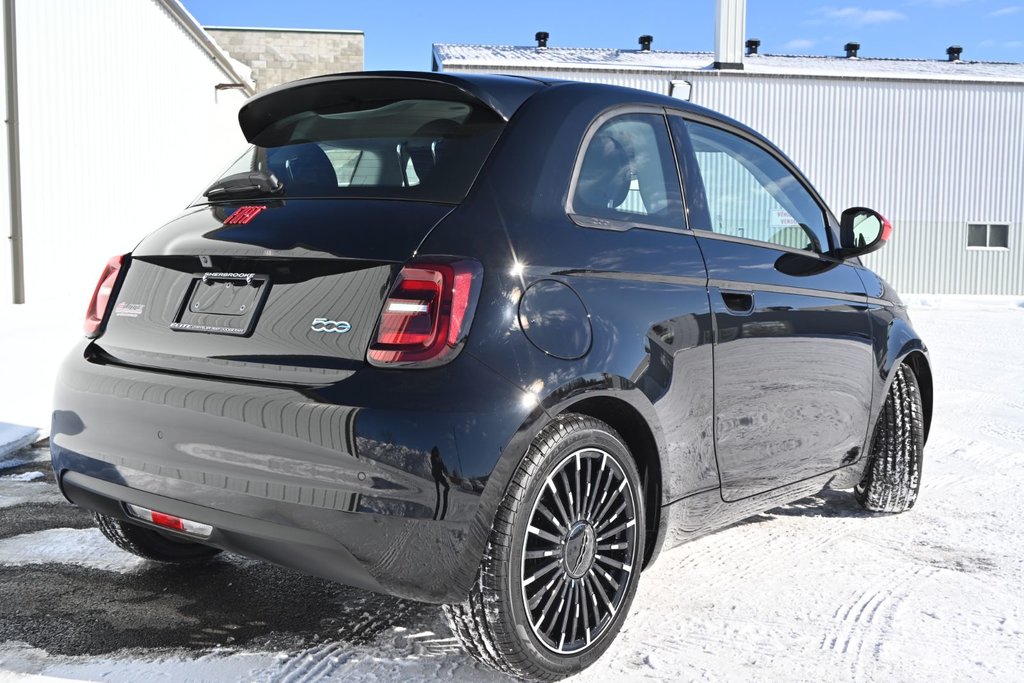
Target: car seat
<point>304,169</point>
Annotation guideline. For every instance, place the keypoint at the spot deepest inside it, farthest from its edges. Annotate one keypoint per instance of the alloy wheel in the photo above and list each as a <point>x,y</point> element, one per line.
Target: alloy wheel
<point>579,552</point>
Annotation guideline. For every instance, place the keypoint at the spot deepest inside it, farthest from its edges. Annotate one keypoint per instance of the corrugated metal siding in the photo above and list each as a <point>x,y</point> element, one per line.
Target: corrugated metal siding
<point>931,156</point>
<point>120,128</point>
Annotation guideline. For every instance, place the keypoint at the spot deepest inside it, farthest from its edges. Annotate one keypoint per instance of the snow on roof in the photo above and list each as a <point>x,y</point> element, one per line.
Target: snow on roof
<point>585,59</point>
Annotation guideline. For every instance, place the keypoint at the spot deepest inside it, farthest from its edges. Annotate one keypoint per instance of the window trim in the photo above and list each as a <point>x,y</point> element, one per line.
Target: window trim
<point>830,222</point>
<point>988,231</point>
<point>585,221</point>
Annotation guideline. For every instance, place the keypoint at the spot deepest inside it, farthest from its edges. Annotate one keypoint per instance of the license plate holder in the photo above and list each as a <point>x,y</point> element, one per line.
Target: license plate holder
<point>222,303</point>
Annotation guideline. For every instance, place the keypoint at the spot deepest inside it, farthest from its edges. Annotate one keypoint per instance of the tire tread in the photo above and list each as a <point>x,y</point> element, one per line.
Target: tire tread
<point>475,621</point>
<point>892,478</point>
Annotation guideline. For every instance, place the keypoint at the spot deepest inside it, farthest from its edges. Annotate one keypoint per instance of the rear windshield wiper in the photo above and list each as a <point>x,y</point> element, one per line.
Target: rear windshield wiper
<point>249,183</point>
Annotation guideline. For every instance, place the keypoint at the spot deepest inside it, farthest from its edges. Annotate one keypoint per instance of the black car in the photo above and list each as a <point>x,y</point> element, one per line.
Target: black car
<point>493,343</point>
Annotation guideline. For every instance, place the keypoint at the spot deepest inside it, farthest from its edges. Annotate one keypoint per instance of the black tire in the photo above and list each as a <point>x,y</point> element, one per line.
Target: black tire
<point>151,544</point>
<point>507,622</point>
<point>892,477</point>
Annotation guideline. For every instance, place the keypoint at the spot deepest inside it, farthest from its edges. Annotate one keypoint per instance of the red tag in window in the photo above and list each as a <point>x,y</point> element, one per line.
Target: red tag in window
<point>243,215</point>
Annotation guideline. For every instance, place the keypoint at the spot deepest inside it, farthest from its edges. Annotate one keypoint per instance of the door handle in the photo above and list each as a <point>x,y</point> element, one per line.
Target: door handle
<point>738,302</point>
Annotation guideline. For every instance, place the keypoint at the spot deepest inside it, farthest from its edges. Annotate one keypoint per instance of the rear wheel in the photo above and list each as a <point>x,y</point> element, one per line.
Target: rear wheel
<point>152,544</point>
<point>892,478</point>
<point>562,563</point>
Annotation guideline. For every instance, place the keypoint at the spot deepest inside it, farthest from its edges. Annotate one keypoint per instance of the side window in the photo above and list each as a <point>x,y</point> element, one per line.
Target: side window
<point>751,194</point>
<point>628,174</point>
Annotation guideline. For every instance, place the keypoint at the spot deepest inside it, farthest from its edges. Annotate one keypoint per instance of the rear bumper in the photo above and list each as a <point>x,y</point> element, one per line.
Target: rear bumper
<point>385,481</point>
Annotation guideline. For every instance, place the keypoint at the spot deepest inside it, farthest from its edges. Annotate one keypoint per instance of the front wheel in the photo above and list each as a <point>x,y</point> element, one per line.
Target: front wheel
<point>892,478</point>
<point>562,563</point>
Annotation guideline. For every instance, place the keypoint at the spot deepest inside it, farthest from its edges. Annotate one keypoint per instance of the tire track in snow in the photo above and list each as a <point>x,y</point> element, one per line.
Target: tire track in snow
<point>314,664</point>
<point>864,620</point>
<point>327,660</point>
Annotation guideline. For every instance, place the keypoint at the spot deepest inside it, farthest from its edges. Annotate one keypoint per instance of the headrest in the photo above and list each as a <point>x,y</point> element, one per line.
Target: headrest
<point>303,168</point>
<point>425,146</point>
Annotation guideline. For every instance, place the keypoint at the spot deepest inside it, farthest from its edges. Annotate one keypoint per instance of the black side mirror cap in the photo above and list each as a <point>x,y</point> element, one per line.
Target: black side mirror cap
<point>861,231</point>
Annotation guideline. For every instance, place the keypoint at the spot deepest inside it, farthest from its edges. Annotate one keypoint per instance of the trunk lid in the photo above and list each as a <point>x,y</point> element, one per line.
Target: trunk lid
<point>289,293</point>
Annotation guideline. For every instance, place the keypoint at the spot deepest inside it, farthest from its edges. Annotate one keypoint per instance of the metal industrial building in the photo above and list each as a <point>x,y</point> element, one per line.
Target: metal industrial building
<point>123,110</point>
<point>935,145</point>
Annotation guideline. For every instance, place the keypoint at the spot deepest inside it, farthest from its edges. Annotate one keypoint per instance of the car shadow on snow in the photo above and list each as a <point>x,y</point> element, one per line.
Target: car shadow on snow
<point>826,503</point>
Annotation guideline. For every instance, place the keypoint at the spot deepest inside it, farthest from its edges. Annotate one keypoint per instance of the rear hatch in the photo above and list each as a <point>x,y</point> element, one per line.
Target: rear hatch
<point>293,295</point>
<point>279,272</point>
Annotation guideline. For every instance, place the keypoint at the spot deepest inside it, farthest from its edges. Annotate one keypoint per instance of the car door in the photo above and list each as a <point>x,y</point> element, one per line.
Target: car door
<point>792,339</point>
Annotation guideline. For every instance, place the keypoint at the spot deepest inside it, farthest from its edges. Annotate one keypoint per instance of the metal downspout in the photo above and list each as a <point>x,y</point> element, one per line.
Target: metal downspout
<point>14,152</point>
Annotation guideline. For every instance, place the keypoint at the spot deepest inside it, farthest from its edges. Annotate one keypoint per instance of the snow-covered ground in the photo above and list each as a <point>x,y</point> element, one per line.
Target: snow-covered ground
<point>811,591</point>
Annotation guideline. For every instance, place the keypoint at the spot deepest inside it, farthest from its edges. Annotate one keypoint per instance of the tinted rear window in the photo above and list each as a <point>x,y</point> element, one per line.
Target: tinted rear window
<point>429,150</point>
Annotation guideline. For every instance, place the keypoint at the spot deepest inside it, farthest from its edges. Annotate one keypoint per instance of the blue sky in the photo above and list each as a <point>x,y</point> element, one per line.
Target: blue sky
<point>399,32</point>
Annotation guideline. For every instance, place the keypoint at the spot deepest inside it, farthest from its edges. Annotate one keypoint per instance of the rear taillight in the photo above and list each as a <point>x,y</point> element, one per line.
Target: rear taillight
<point>101,296</point>
<point>427,315</point>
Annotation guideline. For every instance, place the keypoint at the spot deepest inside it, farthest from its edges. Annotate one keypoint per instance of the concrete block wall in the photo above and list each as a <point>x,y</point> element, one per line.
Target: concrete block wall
<point>280,55</point>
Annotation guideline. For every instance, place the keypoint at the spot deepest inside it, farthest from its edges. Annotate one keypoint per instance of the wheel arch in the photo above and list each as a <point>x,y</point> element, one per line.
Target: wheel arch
<point>918,362</point>
<point>642,439</point>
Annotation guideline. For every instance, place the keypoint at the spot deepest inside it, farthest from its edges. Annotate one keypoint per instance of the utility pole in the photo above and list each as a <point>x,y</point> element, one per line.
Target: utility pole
<point>14,152</point>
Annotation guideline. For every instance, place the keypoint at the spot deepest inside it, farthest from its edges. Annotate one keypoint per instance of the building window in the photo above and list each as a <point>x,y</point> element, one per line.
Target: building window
<point>988,236</point>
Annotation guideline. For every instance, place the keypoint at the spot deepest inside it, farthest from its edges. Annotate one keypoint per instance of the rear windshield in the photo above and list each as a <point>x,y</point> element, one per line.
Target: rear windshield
<point>429,150</point>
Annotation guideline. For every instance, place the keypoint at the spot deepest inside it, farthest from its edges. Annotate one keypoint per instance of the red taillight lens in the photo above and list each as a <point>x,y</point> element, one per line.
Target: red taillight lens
<point>427,315</point>
<point>101,296</point>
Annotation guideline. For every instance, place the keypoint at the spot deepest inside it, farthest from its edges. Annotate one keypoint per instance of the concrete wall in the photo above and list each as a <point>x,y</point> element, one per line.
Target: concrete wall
<point>277,56</point>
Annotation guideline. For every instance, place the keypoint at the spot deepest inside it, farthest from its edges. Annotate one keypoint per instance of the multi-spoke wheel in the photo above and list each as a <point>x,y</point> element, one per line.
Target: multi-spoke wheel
<point>580,550</point>
<point>564,555</point>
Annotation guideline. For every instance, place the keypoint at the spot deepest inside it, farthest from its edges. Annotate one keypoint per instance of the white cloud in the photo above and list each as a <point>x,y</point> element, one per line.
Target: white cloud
<point>941,3</point>
<point>1006,11</point>
<point>861,17</point>
<point>799,44</point>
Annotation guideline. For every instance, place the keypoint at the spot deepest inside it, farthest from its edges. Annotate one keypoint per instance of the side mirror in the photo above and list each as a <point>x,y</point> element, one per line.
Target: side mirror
<point>862,231</point>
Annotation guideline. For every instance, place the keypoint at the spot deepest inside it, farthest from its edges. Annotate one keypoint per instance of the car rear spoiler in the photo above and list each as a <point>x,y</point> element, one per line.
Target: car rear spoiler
<point>501,94</point>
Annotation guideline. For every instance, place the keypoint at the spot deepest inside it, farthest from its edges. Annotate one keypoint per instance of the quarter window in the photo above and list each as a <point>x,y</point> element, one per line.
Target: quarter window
<point>751,194</point>
<point>988,235</point>
<point>628,174</point>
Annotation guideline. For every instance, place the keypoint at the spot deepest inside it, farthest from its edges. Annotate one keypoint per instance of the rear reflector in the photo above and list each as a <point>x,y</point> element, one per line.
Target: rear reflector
<point>427,315</point>
<point>100,301</point>
<point>185,526</point>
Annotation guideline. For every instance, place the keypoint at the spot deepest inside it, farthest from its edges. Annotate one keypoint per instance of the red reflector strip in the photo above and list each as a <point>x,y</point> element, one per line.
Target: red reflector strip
<point>162,519</point>
<point>169,521</point>
<point>243,215</point>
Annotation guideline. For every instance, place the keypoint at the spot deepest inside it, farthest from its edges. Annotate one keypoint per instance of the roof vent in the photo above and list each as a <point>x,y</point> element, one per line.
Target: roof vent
<point>645,43</point>
<point>851,50</point>
<point>752,46</point>
<point>953,53</point>
<point>542,39</point>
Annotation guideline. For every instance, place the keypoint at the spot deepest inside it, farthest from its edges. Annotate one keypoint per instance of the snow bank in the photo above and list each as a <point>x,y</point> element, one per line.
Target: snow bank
<point>82,547</point>
<point>15,437</point>
<point>20,492</point>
